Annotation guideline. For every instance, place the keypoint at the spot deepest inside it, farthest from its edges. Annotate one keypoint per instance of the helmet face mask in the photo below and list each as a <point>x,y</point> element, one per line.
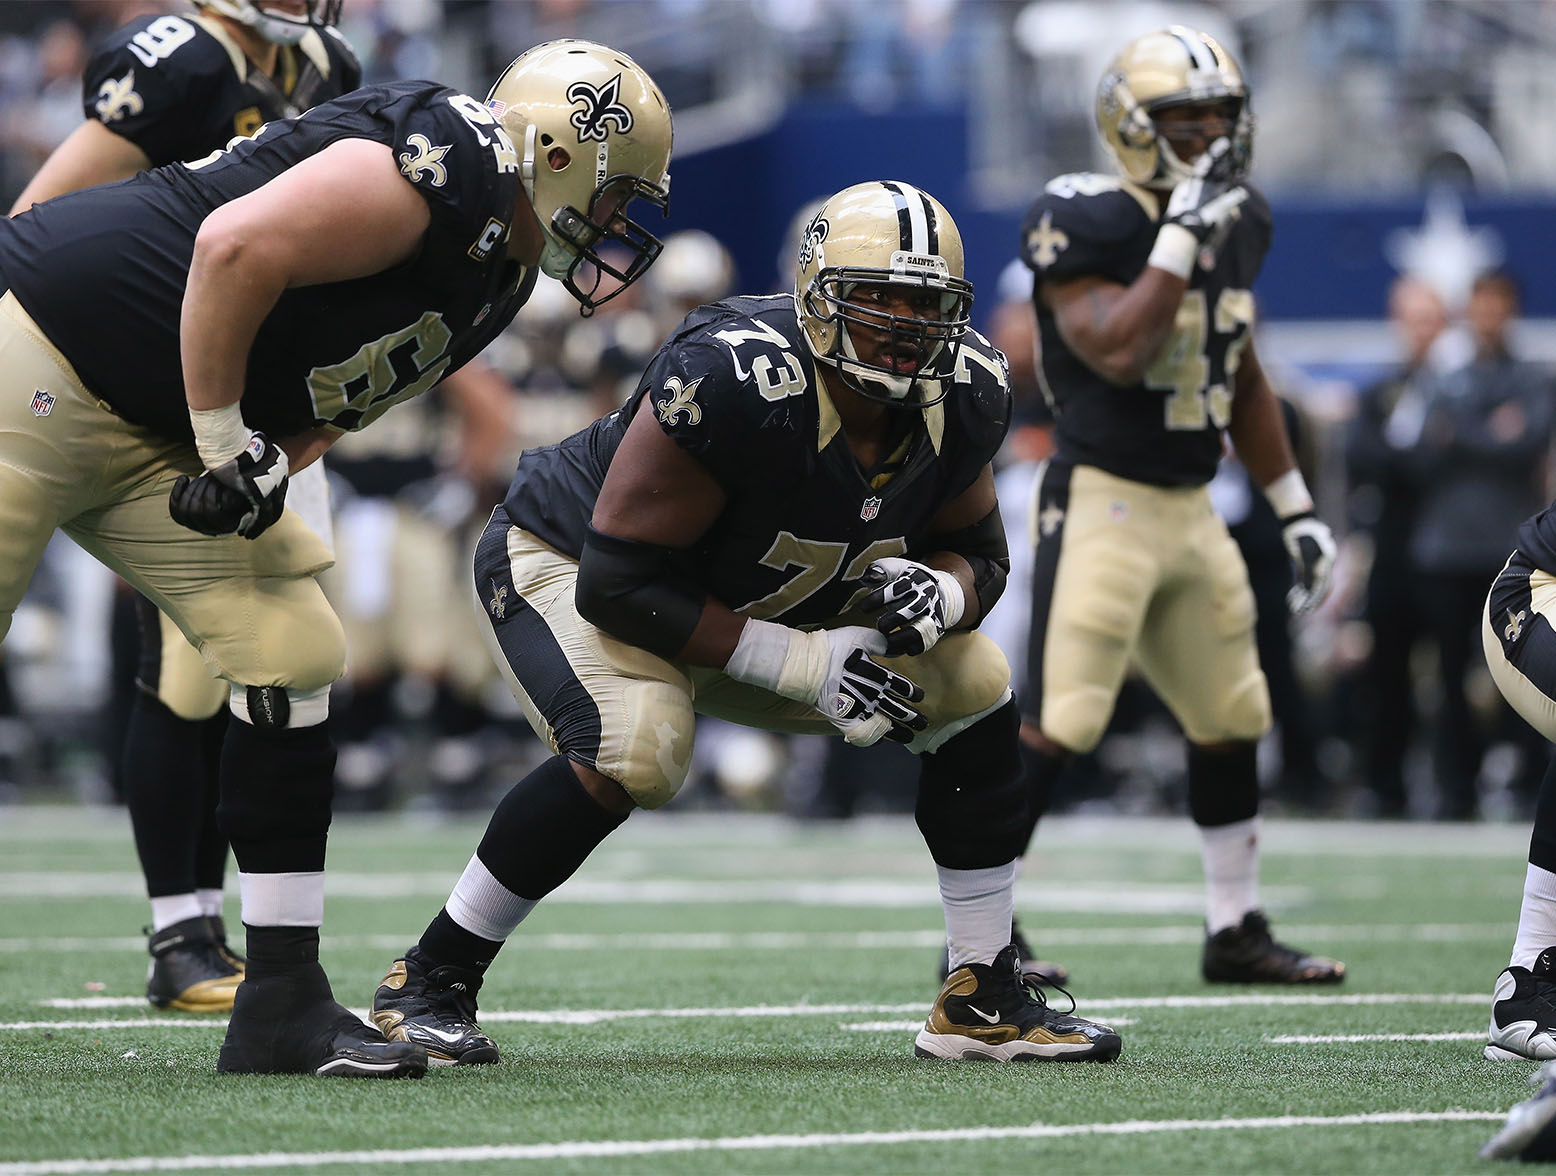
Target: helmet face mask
<point>274,24</point>
<point>594,134</point>
<point>871,253</point>
<point>1174,68</point>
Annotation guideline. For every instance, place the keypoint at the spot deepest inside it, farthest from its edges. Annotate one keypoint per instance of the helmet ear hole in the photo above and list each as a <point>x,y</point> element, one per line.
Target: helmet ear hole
<point>558,158</point>
<point>546,140</point>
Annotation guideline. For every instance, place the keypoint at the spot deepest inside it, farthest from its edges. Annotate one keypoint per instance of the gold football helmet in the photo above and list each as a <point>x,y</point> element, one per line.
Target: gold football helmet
<point>1176,66</point>
<point>884,233</point>
<point>593,133</point>
<point>278,25</point>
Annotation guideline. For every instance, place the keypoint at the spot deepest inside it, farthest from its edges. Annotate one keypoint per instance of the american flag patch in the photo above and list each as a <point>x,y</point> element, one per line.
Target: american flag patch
<point>42,403</point>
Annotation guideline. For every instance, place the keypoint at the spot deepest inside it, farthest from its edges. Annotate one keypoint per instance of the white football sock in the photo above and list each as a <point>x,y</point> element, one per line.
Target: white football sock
<point>210,901</point>
<point>1231,857</point>
<point>283,900</point>
<point>173,908</point>
<point>1536,917</point>
<point>484,906</point>
<point>978,906</point>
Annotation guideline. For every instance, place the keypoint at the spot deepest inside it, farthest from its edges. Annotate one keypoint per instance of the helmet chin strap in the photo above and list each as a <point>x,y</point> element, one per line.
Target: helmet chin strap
<point>275,29</point>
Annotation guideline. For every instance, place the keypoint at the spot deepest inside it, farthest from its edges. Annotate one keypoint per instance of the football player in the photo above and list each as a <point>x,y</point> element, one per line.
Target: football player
<point>163,89</point>
<point>176,345</point>
<point>1145,316</point>
<point>1520,647</point>
<point>790,525</point>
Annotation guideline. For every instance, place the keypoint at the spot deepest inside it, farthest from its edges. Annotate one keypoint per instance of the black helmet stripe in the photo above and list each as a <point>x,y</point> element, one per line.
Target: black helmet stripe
<point>917,226</point>
<point>1198,51</point>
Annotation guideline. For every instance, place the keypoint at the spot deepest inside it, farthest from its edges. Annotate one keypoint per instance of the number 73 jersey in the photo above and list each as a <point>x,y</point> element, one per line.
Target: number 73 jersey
<point>736,388</point>
<point>1165,430</point>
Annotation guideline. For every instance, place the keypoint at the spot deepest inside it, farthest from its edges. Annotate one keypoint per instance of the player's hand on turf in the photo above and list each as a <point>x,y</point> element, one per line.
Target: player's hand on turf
<point>1205,204</point>
<point>920,604</point>
<point>242,496</point>
<point>1310,544</point>
<point>860,696</point>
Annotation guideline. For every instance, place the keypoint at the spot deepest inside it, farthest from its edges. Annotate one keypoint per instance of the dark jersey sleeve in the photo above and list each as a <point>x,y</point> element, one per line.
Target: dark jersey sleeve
<point>153,82</point>
<point>458,157</point>
<point>982,402</point>
<point>700,402</point>
<point>1085,224</point>
<point>1261,228</point>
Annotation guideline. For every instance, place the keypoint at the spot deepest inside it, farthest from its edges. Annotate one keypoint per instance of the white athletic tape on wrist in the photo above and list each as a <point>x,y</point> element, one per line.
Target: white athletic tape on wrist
<point>1288,494</point>
<point>220,434</point>
<point>1174,251</point>
<point>955,599</point>
<point>777,658</point>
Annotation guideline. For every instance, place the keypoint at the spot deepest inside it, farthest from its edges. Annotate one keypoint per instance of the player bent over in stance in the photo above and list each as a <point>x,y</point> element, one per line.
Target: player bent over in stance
<point>1145,319</point>
<point>789,468</point>
<point>1520,647</point>
<point>171,347</point>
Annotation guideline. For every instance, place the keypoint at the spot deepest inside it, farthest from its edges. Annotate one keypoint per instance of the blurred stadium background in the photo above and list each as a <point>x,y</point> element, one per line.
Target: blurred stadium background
<point>1395,137</point>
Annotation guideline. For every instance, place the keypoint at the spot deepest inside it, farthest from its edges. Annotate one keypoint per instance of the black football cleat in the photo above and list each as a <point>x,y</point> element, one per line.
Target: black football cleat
<point>986,1012</point>
<point>188,970</point>
<point>1249,954</point>
<point>1044,973</point>
<point>1530,1131</point>
<point>1523,1012</point>
<point>434,1008</point>
<point>291,1024</point>
<point>219,933</point>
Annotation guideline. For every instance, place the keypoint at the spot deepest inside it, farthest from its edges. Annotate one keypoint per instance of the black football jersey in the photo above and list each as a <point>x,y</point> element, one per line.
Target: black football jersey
<point>103,270</point>
<point>1537,539</point>
<point>736,388</point>
<point>1165,430</point>
<point>179,87</point>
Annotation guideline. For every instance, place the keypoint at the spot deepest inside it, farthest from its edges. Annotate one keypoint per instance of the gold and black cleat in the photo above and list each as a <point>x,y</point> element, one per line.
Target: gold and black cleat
<point>1249,954</point>
<point>188,970</point>
<point>989,1012</point>
<point>433,1007</point>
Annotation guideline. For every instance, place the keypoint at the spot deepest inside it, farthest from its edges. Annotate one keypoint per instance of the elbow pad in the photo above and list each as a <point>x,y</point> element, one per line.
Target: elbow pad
<point>983,546</point>
<point>636,592</point>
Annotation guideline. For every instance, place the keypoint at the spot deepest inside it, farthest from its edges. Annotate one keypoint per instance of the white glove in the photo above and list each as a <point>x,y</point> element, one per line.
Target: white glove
<point>1310,544</point>
<point>921,604</point>
<point>833,671</point>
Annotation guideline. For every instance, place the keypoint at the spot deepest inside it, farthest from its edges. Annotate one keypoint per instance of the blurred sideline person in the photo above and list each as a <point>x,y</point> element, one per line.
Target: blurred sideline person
<point>1384,500</point>
<point>1479,470</point>
<point>1145,322</point>
<point>789,465</point>
<point>176,344</point>
<point>161,90</point>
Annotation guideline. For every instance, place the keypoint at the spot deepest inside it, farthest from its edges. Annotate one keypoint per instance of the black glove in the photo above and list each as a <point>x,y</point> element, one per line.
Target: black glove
<point>242,496</point>
<point>920,603</point>
<point>1205,204</point>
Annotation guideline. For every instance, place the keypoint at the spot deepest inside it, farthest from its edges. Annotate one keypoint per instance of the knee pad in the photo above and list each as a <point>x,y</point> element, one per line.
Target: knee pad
<point>1243,712</point>
<point>655,744</point>
<point>965,678</point>
<point>1078,718</point>
<point>275,708</point>
<point>1223,784</point>
<point>973,808</point>
<point>276,789</point>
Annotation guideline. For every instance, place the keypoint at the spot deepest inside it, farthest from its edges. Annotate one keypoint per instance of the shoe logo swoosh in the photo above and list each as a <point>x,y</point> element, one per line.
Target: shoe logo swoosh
<point>991,1018</point>
<point>442,1035</point>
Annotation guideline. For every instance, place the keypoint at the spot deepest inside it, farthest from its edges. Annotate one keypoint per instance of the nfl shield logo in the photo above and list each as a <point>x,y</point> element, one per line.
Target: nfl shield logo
<point>42,403</point>
<point>871,508</point>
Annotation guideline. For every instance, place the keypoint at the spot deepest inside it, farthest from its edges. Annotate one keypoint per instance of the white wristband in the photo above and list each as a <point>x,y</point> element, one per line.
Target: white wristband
<point>1288,494</point>
<point>955,599</point>
<point>777,658</point>
<point>1174,251</point>
<point>219,433</point>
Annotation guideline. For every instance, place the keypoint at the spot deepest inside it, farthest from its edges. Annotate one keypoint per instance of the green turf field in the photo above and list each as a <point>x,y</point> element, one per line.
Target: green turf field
<point>735,994</point>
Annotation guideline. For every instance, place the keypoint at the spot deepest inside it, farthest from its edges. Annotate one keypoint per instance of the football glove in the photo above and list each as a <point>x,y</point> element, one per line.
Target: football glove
<point>862,698</point>
<point>1200,213</point>
<point>242,496</point>
<point>920,604</point>
<point>1310,544</point>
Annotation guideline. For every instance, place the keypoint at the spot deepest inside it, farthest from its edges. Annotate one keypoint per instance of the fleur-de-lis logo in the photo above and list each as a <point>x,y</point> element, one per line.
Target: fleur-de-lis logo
<point>499,601</point>
<point>117,97</point>
<point>815,234</point>
<point>427,159</point>
<point>1047,242</point>
<point>601,105</point>
<point>1048,522</point>
<point>680,400</point>
<point>1515,625</point>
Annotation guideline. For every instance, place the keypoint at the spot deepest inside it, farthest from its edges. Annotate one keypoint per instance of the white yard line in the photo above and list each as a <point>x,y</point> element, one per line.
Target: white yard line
<point>600,1016</point>
<point>1353,1038</point>
<point>577,1149</point>
<point>680,941</point>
